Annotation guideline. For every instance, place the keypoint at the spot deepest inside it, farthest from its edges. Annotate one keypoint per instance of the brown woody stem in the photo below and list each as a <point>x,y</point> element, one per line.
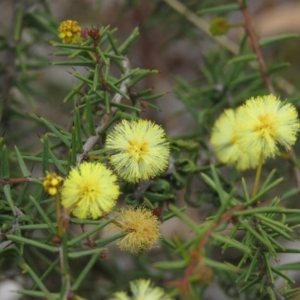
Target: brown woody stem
<point>256,48</point>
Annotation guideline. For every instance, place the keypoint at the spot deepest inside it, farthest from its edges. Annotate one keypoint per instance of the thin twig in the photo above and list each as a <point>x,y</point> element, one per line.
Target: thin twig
<point>142,188</point>
<point>264,74</point>
<point>15,180</point>
<point>92,140</point>
<point>257,175</point>
<point>89,240</point>
<point>270,87</point>
<point>296,171</point>
<point>227,216</point>
<point>15,227</point>
<point>223,41</point>
<point>202,25</point>
<point>256,48</point>
<point>196,255</point>
<point>64,274</point>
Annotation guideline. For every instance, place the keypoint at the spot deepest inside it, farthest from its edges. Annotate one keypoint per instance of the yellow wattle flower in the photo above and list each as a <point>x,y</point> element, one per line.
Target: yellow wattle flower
<point>141,226</point>
<point>264,122</point>
<point>225,143</point>
<point>138,149</point>
<point>90,191</point>
<point>142,289</point>
<point>69,32</point>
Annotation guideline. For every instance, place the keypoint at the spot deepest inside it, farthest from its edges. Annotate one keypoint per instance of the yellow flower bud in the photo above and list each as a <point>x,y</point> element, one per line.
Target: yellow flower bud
<point>69,32</point>
<point>219,26</point>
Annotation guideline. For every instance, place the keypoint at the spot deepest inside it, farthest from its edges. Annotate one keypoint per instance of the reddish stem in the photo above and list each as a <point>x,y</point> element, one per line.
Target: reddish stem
<point>15,180</point>
<point>264,74</point>
<point>292,157</point>
<point>196,256</point>
<point>256,48</point>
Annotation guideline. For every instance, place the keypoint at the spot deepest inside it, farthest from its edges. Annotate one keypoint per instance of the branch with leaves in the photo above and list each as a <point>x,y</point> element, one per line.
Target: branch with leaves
<point>96,193</point>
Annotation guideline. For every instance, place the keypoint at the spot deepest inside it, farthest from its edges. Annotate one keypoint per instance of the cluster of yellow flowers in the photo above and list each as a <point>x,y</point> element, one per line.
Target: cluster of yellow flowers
<point>69,32</point>
<point>139,151</point>
<point>52,183</point>
<point>142,289</point>
<point>141,225</point>
<point>253,131</point>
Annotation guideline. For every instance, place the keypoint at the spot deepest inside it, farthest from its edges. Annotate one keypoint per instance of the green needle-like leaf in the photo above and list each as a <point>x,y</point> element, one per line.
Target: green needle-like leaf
<point>57,133</point>
<point>86,270</point>
<point>170,265</point>
<point>278,38</point>
<point>38,281</point>
<point>22,240</point>
<point>4,165</point>
<point>86,234</point>
<point>43,215</point>
<point>7,193</point>
<point>22,164</point>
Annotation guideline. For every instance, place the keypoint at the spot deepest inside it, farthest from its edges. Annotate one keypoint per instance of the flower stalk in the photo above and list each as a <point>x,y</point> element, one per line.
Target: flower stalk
<point>58,216</point>
<point>257,175</point>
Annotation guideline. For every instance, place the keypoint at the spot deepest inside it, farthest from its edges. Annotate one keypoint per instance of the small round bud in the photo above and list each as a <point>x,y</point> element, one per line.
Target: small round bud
<point>52,183</point>
<point>219,26</point>
<point>5,227</point>
<point>69,32</point>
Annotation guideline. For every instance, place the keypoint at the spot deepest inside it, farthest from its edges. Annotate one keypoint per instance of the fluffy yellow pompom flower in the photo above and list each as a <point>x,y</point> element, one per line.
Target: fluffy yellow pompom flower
<point>69,32</point>
<point>142,289</point>
<point>141,225</point>
<point>90,191</point>
<point>225,143</point>
<point>262,122</point>
<point>139,149</point>
<point>52,183</point>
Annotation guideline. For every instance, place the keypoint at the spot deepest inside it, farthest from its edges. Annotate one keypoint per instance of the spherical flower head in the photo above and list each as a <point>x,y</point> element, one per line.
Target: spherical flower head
<point>219,26</point>
<point>69,32</point>
<point>52,183</point>
<point>264,122</point>
<point>90,191</point>
<point>139,149</point>
<point>143,289</point>
<point>120,296</point>
<point>141,226</point>
<point>224,141</point>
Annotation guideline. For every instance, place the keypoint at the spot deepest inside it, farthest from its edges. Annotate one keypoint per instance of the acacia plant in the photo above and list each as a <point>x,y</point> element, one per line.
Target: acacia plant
<point>111,176</point>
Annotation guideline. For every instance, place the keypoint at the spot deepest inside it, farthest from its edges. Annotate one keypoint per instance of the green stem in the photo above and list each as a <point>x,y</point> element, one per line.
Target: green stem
<point>58,216</point>
<point>118,224</point>
<point>258,174</point>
